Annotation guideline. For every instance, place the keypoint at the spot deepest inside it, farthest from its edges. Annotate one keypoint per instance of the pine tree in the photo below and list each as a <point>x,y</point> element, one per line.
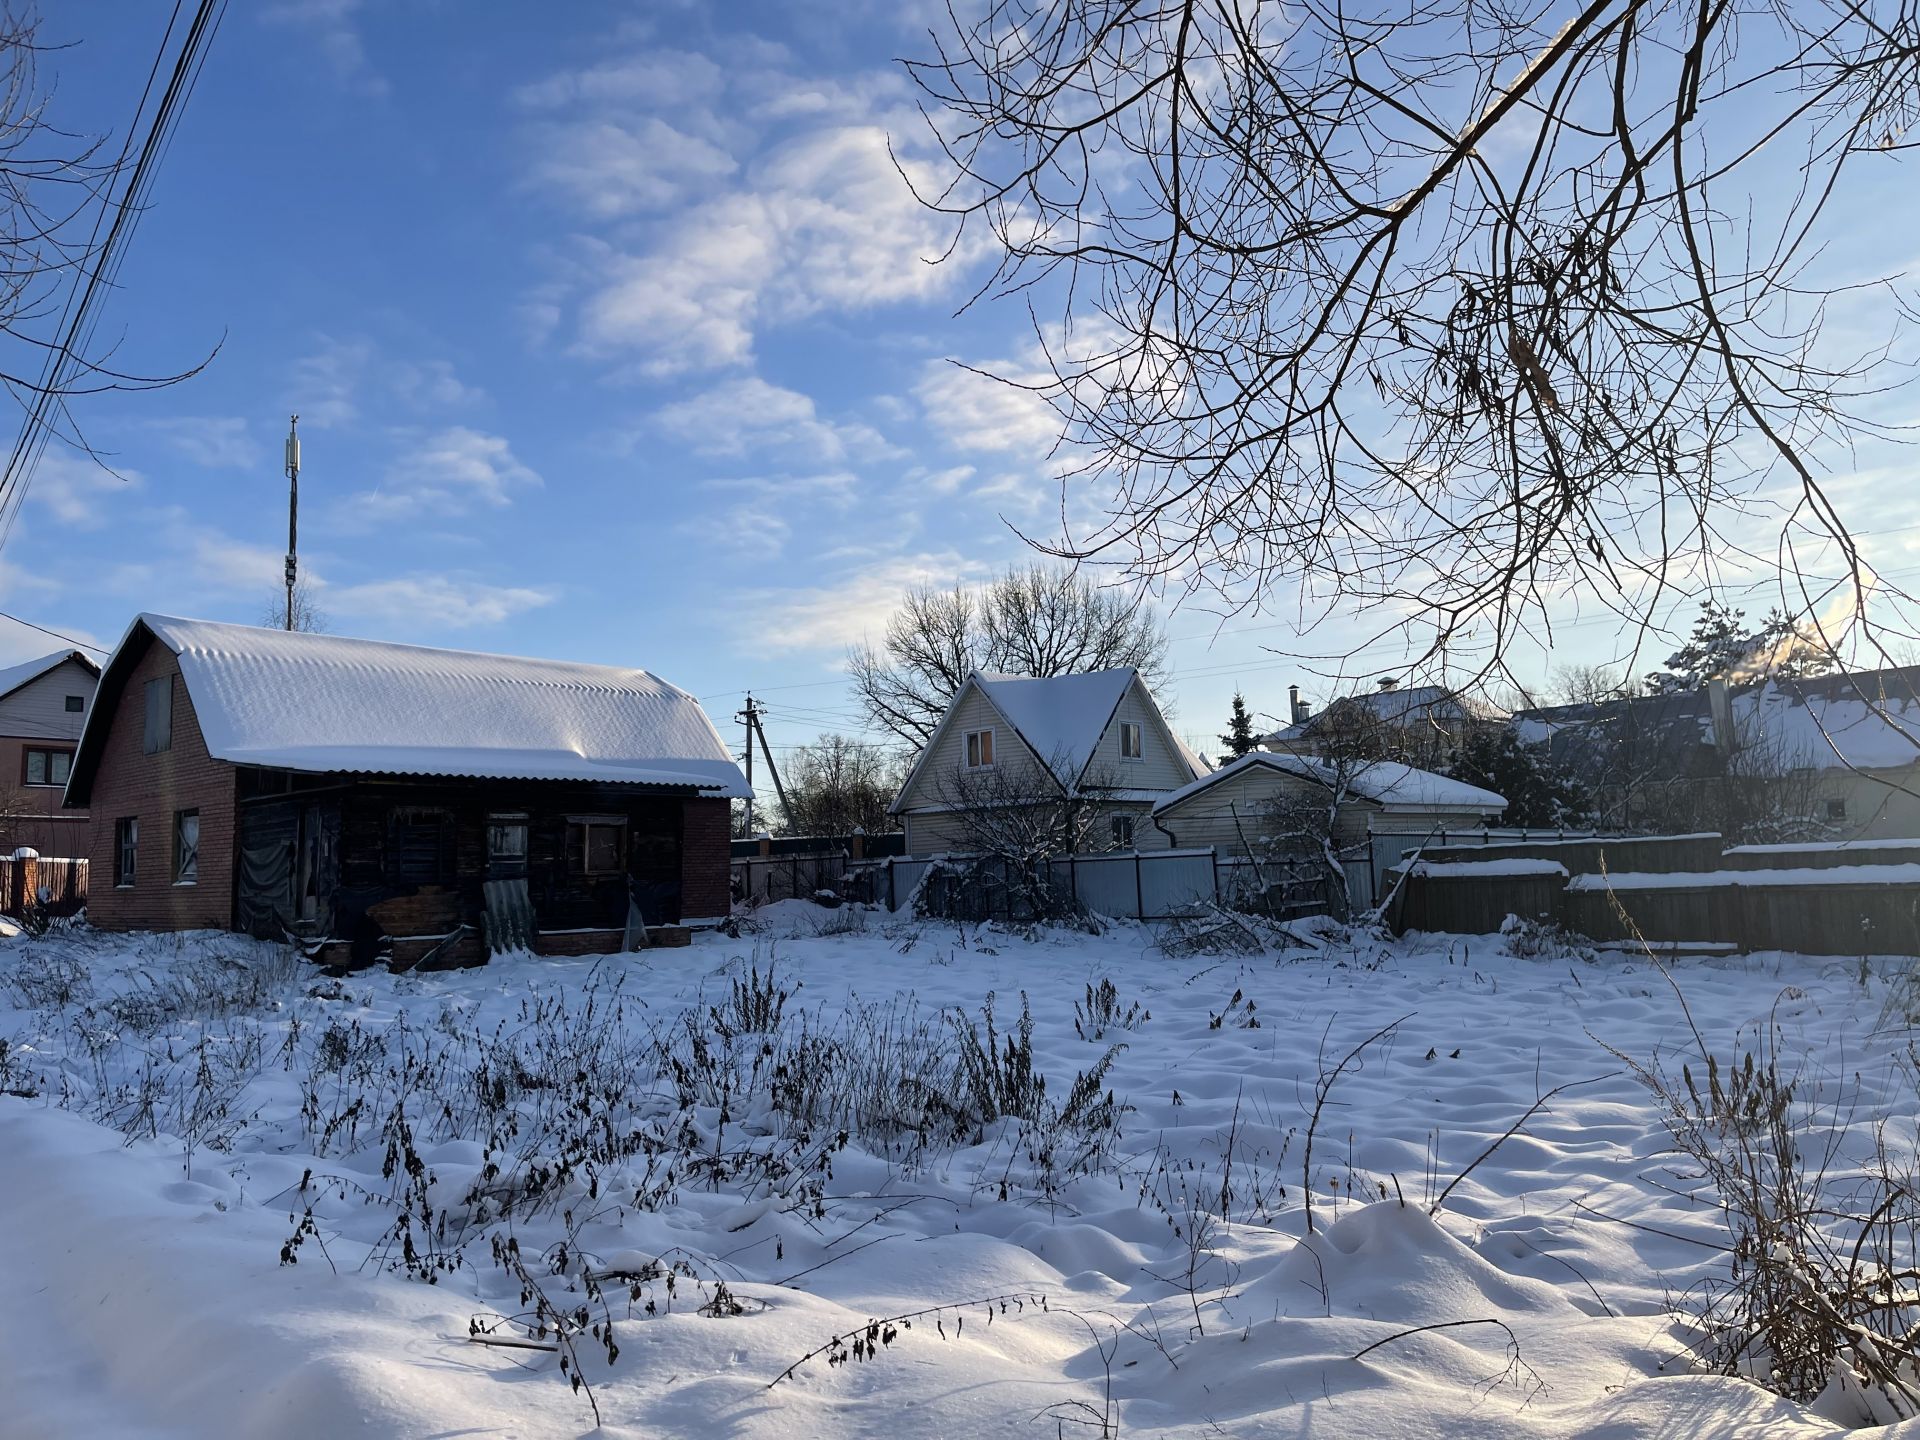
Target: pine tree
<point>1240,739</point>
<point>1538,791</point>
<point>1722,648</point>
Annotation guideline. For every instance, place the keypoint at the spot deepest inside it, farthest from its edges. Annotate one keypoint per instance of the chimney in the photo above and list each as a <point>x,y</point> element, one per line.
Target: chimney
<point>1389,682</point>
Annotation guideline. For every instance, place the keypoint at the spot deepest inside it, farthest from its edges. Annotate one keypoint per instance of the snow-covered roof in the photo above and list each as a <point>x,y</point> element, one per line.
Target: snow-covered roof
<point>1838,722</point>
<point>330,704</point>
<point>28,671</point>
<point>1402,706</point>
<point>1061,718</point>
<point>1385,782</point>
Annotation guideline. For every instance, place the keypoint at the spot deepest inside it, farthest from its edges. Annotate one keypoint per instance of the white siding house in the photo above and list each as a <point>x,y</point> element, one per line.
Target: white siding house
<point>1098,736</point>
<point>43,707</point>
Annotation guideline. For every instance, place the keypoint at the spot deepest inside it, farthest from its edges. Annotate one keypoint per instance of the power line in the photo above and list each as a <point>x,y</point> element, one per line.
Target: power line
<point>98,650</point>
<point>80,314</point>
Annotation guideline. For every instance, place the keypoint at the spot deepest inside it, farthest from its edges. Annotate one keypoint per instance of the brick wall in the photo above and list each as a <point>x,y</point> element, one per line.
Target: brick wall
<point>154,787</point>
<point>706,859</point>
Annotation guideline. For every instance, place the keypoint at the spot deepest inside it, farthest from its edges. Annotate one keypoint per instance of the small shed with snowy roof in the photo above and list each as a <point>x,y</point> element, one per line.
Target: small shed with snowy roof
<point>1230,809</point>
<point>1098,736</point>
<point>375,798</point>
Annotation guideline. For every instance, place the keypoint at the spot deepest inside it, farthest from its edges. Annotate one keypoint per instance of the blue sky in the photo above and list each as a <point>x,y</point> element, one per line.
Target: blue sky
<point>612,336</point>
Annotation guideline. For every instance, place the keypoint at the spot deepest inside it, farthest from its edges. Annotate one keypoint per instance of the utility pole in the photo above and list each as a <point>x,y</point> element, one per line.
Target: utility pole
<point>293,511</point>
<point>750,717</point>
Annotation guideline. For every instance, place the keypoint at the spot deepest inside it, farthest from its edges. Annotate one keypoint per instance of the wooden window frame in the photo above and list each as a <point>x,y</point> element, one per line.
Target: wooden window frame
<point>186,862</point>
<point>587,824</point>
<point>126,852</point>
<point>1119,822</point>
<point>1135,731</point>
<point>447,857</point>
<point>26,758</point>
<point>977,750</point>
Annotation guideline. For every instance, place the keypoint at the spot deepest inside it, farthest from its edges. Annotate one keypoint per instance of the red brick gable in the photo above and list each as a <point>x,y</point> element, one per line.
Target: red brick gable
<point>154,788</point>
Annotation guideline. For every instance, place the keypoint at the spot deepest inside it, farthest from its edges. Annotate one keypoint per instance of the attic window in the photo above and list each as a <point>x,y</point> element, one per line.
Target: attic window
<point>979,749</point>
<point>76,703</point>
<point>159,729</point>
<point>1129,740</point>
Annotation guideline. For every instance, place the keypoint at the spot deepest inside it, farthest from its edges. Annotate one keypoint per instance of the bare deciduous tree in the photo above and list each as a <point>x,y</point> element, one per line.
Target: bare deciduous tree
<point>1014,820</point>
<point>837,785</point>
<point>308,617</point>
<point>1036,620</point>
<point>1439,309</point>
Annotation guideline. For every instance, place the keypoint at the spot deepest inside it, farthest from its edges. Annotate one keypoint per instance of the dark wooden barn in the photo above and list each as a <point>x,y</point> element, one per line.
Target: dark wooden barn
<point>377,800</point>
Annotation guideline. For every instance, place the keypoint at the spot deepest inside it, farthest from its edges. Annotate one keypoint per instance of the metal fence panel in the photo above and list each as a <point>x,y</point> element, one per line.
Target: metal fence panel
<point>1173,880</point>
<point>1107,884</point>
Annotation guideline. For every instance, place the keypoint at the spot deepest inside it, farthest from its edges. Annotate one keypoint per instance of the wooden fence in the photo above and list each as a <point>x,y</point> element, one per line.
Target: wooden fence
<point>1818,908</point>
<point>26,879</point>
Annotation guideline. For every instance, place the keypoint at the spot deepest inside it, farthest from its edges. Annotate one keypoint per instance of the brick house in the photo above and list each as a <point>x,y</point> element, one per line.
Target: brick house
<point>372,798</point>
<point>43,705</point>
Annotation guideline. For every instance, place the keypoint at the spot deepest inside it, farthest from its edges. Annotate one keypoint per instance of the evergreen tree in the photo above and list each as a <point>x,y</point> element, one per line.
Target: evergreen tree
<point>1721,647</point>
<point>1538,791</point>
<point>1240,739</point>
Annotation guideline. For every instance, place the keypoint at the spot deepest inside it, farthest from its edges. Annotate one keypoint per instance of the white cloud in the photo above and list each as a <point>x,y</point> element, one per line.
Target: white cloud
<point>852,607</point>
<point>978,412</point>
<point>748,531</point>
<point>332,25</point>
<point>216,441</point>
<point>431,385</point>
<point>608,168</point>
<point>77,491</point>
<point>804,209</point>
<point>748,413</point>
<point>447,473</point>
<point>823,223</point>
<point>326,382</point>
<point>668,79</point>
<point>446,602</point>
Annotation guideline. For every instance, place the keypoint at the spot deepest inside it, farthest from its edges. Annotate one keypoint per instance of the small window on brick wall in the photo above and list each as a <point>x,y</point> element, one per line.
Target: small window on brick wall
<point>186,847</point>
<point>596,844</point>
<point>126,850</point>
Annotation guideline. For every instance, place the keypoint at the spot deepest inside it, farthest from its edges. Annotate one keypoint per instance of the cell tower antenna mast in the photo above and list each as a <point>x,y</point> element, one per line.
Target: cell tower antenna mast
<point>293,511</point>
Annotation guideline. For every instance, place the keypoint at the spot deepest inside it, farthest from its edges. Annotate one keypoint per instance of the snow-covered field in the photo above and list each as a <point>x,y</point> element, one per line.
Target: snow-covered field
<point>747,1177</point>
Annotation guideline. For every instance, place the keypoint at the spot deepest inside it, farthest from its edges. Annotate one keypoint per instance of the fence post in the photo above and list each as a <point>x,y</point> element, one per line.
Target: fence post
<point>1139,890</point>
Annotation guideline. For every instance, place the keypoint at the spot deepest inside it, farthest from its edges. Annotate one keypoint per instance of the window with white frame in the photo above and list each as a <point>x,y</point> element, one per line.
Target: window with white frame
<point>1130,740</point>
<point>186,847</point>
<point>126,850</point>
<point>979,750</point>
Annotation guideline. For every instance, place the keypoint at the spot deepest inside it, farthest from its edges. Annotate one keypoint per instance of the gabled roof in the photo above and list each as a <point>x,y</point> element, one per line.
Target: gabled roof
<point>15,676</point>
<point>1385,782</point>
<point>1060,719</point>
<point>333,705</point>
